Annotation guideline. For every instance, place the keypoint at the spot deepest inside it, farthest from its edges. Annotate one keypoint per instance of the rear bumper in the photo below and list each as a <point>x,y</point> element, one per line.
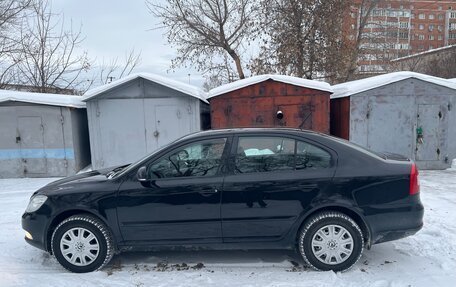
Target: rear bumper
<point>395,221</point>
<point>394,235</point>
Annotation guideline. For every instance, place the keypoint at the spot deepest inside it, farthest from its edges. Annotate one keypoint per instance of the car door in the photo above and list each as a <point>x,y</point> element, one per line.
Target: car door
<point>180,203</point>
<point>272,180</point>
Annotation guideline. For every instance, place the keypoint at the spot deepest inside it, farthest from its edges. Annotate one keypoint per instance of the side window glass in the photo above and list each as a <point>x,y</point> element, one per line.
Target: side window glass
<point>311,157</point>
<point>263,154</point>
<point>197,159</point>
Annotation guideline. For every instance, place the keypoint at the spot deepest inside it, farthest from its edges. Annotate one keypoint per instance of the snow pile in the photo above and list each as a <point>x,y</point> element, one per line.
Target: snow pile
<point>43,99</point>
<point>358,86</point>
<point>453,164</point>
<point>425,259</point>
<point>164,81</point>
<point>311,84</point>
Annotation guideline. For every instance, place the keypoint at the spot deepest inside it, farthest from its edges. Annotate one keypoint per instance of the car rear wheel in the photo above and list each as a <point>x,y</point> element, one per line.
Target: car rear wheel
<point>331,241</point>
<point>82,243</point>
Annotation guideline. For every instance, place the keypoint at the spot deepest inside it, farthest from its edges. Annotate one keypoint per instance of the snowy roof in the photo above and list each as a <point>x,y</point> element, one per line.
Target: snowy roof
<point>173,84</point>
<point>424,53</point>
<point>43,99</point>
<point>452,80</point>
<point>311,84</point>
<point>358,86</point>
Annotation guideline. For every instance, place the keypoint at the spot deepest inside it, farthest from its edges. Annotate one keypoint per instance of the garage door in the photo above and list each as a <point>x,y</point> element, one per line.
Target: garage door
<point>31,141</point>
<point>122,131</point>
<point>166,121</point>
<point>429,118</point>
<point>390,125</point>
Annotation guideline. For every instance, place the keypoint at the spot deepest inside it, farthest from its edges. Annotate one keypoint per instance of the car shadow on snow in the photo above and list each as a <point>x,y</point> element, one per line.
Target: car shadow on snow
<point>196,260</point>
<point>380,256</point>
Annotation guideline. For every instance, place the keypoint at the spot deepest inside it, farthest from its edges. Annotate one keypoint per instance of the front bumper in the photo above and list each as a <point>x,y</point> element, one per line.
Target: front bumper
<point>35,224</point>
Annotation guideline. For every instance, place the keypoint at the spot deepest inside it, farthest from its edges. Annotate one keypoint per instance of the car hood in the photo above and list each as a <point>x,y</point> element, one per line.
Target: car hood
<point>71,182</point>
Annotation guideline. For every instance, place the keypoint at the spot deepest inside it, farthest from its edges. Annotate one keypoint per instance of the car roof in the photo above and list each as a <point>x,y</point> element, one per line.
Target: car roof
<point>215,132</point>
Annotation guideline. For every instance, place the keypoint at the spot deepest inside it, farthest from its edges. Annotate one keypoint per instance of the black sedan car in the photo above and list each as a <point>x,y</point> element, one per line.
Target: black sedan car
<point>232,189</point>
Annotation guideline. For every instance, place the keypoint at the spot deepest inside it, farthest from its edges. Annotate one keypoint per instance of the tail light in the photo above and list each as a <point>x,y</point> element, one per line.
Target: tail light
<point>414,181</point>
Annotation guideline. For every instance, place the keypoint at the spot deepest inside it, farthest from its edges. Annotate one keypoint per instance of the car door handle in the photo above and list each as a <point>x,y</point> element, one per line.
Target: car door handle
<point>209,192</point>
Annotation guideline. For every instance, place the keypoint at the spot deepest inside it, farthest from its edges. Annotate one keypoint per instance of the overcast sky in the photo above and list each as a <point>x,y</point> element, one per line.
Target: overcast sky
<point>113,27</point>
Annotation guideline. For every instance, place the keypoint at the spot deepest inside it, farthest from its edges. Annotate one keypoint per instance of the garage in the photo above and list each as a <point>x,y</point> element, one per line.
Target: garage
<point>271,101</point>
<point>140,113</point>
<point>407,113</point>
<point>43,135</point>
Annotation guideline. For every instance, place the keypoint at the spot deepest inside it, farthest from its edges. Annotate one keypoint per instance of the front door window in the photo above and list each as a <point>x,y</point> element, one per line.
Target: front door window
<point>196,159</point>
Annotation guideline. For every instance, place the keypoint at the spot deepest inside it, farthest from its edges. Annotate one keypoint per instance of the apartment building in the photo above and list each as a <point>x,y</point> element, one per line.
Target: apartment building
<point>395,29</point>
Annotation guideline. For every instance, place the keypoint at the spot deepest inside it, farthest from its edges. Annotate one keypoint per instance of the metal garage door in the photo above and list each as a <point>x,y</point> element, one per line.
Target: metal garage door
<point>165,123</point>
<point>429,120</point>
<point>122,134</point>
<point>31,139</point>
<point>390,126</point>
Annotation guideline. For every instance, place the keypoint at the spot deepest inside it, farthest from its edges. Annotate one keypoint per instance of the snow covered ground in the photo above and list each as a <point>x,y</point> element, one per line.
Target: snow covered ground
<point>426,259</point>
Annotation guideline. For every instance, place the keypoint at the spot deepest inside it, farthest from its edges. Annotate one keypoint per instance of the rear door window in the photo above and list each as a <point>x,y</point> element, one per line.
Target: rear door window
<point>309,156</point>
<point>264,154</point>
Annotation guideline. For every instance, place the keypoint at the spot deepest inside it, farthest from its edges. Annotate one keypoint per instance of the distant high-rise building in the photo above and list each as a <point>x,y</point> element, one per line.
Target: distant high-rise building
<point>396,29</point>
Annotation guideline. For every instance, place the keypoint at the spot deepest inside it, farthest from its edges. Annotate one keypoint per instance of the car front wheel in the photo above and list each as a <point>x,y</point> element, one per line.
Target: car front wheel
<point>331,241</point>
<point>82,243</point>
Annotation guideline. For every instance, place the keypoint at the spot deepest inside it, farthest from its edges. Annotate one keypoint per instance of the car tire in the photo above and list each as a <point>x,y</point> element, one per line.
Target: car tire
<point>330,241</point>
<point>82,243</point>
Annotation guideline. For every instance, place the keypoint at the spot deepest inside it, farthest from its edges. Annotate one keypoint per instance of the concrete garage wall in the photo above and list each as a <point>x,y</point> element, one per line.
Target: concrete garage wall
<point>39,140</point>
<point>135,118</point>
<point>386,119</point>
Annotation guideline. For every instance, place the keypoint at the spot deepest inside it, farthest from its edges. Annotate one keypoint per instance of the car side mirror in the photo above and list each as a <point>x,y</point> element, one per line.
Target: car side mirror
<point>141,175</point>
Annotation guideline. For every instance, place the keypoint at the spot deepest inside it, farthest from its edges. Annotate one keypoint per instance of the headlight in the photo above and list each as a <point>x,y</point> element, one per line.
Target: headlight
<point>35,203</point>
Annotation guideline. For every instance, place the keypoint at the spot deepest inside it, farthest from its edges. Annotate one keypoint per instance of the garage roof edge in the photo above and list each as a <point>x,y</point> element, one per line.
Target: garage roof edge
<point>358,86</point>
<point>311,84</point>
<point>172,84</point>
<point>42,99</point>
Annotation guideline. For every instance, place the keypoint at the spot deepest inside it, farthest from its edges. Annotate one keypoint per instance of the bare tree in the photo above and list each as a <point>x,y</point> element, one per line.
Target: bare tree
<point>11,13</point>
<point>48,59</point>
<point>301,36</point>
<point>114,69</point>
<point>412,64</point>
<point>355,49</point>
<point>205,30</point>
<point>440,64</point>
<point>443,66</point>
<point>219,74</point>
